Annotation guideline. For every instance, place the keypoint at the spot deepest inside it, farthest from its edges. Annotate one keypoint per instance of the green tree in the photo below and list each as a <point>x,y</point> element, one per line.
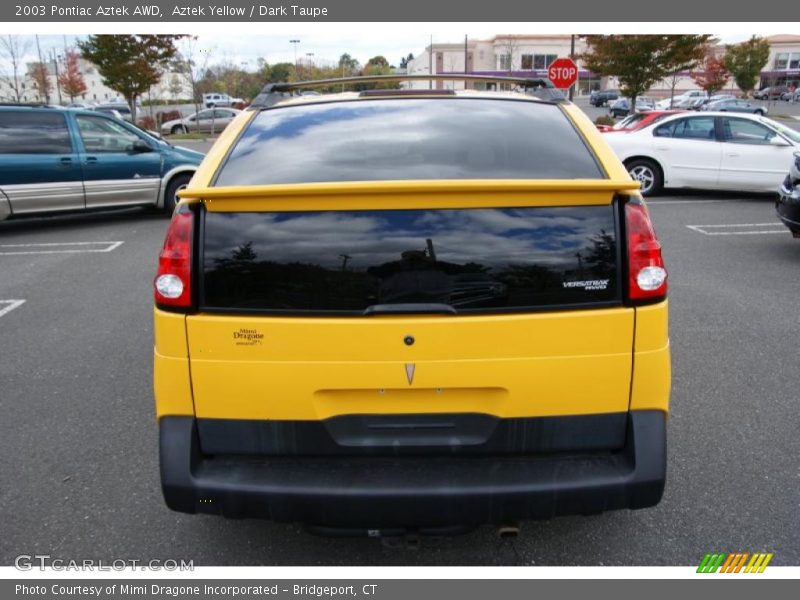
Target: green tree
<point>279,72</point>
<point>377,61</point>
<point>639,61</point>
<point>745,61</point>
<point>130,64</point>
<point>348,64</point>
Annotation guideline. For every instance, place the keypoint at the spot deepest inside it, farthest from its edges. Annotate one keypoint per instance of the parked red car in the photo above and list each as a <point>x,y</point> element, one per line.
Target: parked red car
<point>637,121</point>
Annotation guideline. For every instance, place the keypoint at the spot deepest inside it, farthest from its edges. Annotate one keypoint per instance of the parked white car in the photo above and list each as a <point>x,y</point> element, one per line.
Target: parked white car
<point>685,96</point>
<point>212,120</point>
<point>710,150</point>
<point>214,99</point>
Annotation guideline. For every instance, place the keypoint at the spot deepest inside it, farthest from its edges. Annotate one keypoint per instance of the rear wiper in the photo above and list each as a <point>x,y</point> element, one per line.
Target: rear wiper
<point>409,309</point>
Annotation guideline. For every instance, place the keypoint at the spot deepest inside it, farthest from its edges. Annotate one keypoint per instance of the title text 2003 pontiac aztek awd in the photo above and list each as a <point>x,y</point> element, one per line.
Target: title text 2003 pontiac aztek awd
<point>411,310</point>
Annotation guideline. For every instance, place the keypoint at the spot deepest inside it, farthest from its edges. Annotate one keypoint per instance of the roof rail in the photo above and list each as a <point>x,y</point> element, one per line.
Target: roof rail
<point>29,104</point>
<point>540,87</point>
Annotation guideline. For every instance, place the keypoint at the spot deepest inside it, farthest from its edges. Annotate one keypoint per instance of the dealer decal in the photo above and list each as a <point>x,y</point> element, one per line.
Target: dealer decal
<point>247,337</point>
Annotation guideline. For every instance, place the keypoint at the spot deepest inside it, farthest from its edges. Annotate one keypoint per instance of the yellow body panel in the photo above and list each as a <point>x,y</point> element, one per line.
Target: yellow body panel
<point>539,364</point>
<point>652,378</point>
<point>171,377</point>
<point>515,365</point>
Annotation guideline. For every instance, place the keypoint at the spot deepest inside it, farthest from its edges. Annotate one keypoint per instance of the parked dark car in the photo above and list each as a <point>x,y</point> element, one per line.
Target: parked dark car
<point>622,107</point>
<point>788,204</point>
<point>602,97</point>
<point>734,105</point>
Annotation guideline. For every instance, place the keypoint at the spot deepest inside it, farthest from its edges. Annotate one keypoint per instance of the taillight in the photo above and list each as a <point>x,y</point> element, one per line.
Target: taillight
<point>647,277</point>
<point>173,283</point>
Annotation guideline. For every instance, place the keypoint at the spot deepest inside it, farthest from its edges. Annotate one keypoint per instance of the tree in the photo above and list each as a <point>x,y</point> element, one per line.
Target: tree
<point>13,49</point>
<point>130,64</point>
<point>377,61</point>
<point>191,62</point>
<point>40,76</point>
<point>745,61</point>
<point>70,79</point>
<point>711,75</point>
<point>510,46</point>
<point>279,72</point>
<point>639,61</point>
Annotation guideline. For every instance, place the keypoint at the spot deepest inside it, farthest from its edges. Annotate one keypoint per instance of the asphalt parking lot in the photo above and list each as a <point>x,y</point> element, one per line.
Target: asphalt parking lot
<point>78,441</point>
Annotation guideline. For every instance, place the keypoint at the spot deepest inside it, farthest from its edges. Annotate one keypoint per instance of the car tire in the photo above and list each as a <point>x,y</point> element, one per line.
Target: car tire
<point>648,174</point>
<point>176,184</point>
<point>759,112</point>
<point>176,129</point>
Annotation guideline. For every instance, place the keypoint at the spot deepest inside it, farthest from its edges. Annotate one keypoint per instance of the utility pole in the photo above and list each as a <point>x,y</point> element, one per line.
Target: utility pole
<point>430,63</point>
<point>572,56</point>
<point>55,66</point>
<point>294,44</point>
<point>465,59</point>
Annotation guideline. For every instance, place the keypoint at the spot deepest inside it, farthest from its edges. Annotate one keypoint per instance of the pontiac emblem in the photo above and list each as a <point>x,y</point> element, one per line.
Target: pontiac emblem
<point>410,373</point>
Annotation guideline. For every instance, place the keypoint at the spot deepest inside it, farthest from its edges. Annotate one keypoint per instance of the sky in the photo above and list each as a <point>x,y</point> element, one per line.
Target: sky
<point>327,41</point>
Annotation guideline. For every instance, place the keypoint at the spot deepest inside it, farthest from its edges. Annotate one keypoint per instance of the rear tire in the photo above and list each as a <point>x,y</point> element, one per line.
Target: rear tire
<point>759,112</point>
<point>648,174</point>
<point>176,184</point>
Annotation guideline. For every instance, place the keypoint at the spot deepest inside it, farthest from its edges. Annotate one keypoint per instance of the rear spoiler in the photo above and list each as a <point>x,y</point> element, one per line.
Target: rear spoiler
<point>411,194</point>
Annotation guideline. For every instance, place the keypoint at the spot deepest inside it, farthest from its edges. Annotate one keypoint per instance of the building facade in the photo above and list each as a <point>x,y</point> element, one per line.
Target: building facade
<point>172,86</point>
<point>530,55</point>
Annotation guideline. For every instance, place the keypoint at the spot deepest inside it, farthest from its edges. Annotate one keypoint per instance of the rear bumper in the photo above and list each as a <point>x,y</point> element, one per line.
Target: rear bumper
<point>413,492</point>
<point>788,205</point>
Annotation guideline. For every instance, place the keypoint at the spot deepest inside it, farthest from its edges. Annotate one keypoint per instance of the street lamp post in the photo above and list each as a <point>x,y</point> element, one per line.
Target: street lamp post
<point>294,44</point>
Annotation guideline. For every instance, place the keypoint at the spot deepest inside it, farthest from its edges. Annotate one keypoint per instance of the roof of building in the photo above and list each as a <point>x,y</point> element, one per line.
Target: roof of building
<point>783,39</point>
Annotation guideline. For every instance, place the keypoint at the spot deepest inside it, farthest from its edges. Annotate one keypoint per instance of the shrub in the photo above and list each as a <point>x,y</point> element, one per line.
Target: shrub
<point>604,120</point>
<point>147,122</point>
<point>168,115</point>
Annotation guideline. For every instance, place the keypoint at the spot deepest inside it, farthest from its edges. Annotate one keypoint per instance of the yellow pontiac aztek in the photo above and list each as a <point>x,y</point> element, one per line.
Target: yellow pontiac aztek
<point>411,310</point>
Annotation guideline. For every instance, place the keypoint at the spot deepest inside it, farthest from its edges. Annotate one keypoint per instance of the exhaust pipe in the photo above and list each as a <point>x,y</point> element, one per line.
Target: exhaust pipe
<point>508,530</point>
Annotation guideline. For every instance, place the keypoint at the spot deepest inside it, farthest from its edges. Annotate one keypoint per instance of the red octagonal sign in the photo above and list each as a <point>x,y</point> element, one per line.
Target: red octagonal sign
<point>563,72</point>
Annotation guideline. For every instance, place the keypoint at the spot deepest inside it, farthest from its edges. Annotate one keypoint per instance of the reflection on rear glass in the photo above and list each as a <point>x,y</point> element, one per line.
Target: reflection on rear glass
<point>413,138</point>
<point>470,259</point>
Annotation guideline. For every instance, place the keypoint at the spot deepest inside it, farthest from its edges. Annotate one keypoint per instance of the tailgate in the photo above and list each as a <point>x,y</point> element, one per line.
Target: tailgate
<point>507,304</point>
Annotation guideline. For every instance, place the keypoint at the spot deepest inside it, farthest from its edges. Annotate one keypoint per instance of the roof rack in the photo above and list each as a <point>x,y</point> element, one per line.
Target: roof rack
<point>29,104</point>
<point>540,87</point>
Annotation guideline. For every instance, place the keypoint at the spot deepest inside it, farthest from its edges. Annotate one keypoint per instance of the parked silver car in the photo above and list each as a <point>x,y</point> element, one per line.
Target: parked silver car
<point>212,120</point>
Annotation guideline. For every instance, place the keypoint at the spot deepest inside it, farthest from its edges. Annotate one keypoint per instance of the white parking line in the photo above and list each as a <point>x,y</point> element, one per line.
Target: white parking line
<point>66,248</point>
<point>657,202</point>
<point>12,304</point>
<point>747,228</point>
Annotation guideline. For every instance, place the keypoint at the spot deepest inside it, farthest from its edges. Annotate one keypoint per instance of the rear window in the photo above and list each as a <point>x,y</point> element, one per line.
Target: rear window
<point>489,259</point>
<point>409,138</point>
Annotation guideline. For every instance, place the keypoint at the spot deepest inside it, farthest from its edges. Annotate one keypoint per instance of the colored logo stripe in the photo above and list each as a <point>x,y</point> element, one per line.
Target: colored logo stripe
<point>733,563</point>
<point>710,563</point>
<point>758,563</point>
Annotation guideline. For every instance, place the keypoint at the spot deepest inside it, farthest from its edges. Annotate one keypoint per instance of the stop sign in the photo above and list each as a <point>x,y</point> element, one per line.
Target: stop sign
<point>563,72</point>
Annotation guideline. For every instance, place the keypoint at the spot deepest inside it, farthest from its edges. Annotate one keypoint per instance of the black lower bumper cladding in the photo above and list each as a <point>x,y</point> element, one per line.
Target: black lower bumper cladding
<point>788,204</point>
<point>413,491</point>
